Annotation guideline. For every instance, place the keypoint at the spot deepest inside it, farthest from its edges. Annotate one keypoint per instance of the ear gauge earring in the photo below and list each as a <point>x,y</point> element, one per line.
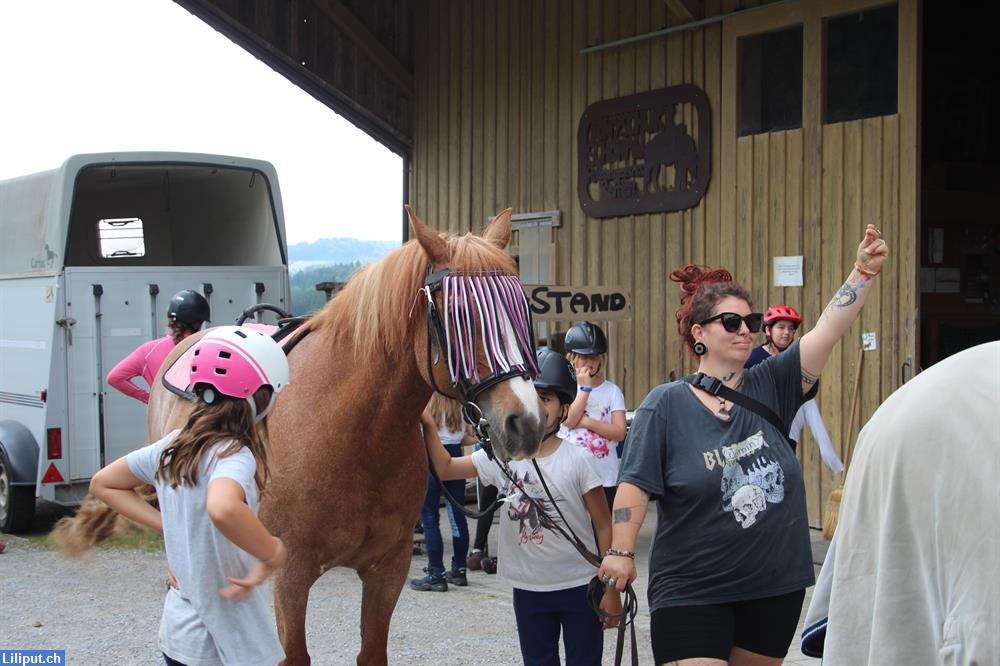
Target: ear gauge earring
<point>700,349</point>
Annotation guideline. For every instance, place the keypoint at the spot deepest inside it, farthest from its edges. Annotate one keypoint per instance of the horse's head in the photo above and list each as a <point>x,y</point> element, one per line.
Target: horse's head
<point>477,343</point>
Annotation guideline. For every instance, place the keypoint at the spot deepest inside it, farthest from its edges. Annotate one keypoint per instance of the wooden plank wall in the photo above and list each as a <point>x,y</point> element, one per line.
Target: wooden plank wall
<point>500,88</point>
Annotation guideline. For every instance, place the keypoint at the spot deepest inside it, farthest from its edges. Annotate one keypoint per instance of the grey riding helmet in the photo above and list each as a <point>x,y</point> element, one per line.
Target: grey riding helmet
<point>586,338</point>
<point>189,308</point>
<point>555,374</point>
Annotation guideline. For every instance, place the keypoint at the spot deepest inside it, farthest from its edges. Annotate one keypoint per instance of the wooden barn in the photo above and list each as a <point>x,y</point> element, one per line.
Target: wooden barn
<point>634,136</point>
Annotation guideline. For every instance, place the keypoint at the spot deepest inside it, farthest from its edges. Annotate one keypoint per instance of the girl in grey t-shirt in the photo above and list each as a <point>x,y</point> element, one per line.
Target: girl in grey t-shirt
<point>730,558</point>
<point>208,477</point>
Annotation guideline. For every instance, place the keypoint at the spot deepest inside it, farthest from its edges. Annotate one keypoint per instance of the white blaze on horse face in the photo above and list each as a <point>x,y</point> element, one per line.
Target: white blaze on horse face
<point>524,389</point>
<point>511,348</point>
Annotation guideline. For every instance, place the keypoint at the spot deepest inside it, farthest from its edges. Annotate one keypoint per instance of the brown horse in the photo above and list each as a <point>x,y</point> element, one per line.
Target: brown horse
<point>348,467</point>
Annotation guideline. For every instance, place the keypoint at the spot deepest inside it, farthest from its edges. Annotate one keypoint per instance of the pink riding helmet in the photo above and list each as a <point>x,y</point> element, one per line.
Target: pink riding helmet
<point>237,361</point>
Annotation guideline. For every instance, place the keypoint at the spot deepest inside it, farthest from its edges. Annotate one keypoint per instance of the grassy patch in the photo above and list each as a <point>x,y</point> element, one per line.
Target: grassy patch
<point>26,541</point>
<point>141,540</point>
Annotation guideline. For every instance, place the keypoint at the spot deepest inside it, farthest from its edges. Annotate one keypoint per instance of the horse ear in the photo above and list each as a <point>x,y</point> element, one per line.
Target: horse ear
<point>435,246</point>
<point>498,232</point>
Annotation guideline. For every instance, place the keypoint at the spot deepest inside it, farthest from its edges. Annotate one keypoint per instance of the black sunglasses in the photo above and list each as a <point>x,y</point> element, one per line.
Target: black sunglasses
<point>731,321</point>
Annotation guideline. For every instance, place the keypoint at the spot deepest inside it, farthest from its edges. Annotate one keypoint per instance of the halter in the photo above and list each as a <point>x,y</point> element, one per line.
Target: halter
<point>486,297</point>
<point>496,301</point>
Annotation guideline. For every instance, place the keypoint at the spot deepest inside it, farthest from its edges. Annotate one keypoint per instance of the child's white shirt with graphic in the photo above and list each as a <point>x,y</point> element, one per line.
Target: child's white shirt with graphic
<point>533,557</point>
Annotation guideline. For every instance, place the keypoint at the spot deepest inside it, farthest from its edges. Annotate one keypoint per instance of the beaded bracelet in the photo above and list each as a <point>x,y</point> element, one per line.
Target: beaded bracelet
<point>861,269</point>
<point>620,553</point>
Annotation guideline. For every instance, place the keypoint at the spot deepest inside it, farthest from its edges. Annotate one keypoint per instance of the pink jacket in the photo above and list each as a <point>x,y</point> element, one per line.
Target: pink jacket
<point>146,361</point>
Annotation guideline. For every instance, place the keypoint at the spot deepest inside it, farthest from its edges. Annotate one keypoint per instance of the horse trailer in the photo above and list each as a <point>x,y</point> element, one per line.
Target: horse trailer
<point>91,254</point>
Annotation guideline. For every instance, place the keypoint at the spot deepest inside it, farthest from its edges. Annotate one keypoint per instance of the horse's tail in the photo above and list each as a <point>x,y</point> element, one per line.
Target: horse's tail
<point>93,522</point>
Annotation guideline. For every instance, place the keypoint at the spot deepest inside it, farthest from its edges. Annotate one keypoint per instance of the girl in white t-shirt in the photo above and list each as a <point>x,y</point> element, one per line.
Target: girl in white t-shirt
<point>548,575</point>
<point>208,478</point>
<point>596,419</point>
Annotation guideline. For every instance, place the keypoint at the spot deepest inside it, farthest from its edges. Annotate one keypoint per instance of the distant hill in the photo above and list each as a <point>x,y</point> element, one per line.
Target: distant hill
<point>328,260</point>
<point>336,251</point>
<point>305,298</point>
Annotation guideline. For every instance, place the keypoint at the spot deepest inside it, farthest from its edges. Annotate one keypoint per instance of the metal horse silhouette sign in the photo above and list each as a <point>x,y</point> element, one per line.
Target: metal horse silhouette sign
<point>636,157</point>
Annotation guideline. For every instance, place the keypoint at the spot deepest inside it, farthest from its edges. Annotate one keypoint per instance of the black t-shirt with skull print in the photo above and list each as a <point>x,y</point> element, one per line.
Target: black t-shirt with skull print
<point>731,509</point>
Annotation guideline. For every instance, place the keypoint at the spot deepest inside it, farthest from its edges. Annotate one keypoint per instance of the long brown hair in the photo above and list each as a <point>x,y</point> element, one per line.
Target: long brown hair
<point>440,406</point>
<point>179,330</point>
<point>226,420</point>
<point>701,288</point>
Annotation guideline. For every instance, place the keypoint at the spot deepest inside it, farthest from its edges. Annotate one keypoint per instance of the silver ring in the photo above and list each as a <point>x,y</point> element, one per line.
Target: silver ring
<point>609,581</point>
<point>879,232</point>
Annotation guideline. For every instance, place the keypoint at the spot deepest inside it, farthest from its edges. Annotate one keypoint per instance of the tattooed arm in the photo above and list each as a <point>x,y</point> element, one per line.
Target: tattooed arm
<point>626,519</point>
<point>840,313</point>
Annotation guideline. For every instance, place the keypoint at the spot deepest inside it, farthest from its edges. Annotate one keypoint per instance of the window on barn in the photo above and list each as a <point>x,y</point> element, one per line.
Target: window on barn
<point>533,248</point>
<point>861,64</point>
<point>770,81</point>
<point>121,238</point>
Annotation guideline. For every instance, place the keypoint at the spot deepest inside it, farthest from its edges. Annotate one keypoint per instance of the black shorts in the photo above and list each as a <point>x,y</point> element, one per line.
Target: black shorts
<point>764,626</point>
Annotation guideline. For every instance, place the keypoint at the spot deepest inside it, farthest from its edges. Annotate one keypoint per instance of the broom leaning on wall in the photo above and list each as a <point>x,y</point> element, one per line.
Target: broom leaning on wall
<point>832,509</point>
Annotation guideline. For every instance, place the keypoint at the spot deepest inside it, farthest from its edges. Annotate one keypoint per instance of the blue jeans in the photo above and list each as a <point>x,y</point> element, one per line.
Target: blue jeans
<point>540,615</point>
<point>430,516</point>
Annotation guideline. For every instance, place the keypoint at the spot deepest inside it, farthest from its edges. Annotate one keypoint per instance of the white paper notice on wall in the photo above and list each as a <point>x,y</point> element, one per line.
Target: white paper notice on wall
<point>869,341</point>
<point>788,271</point>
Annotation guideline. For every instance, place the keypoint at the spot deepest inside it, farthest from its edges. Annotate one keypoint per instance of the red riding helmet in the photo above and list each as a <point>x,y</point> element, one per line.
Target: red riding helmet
<point>779,312</point>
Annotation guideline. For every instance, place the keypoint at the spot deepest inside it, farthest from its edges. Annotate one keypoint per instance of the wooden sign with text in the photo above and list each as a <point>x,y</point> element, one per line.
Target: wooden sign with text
<point>637,154</point>
<point>559,303</point>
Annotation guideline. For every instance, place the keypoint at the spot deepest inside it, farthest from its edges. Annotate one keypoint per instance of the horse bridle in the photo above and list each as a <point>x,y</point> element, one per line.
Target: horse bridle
<point>439,344</point>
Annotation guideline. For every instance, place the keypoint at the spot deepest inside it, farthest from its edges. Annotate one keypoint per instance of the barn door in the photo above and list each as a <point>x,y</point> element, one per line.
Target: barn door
<point>819,137</point>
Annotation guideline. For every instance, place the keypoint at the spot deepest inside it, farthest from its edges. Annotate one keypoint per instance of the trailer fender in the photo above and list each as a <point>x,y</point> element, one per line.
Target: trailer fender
<point>21,451</point>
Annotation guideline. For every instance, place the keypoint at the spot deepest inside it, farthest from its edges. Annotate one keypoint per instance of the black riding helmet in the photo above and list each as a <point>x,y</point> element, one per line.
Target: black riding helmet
<point>586,338</point>
<point>189,308</point>
<point>555,374</point>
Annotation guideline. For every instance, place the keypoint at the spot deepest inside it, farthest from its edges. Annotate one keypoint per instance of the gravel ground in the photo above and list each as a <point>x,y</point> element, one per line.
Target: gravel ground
<point>105,609</point>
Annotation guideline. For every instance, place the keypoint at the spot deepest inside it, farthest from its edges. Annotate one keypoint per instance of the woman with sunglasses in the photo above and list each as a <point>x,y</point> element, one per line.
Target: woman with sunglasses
<point>731,555</point>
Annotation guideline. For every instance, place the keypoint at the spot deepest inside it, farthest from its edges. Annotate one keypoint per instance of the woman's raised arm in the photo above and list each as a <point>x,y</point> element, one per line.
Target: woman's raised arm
<point>816,345</point>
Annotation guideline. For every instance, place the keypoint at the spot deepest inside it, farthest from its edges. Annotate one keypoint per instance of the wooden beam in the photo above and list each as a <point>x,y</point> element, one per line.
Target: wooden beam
<point>686,10</point>
<point>284,64</point>
<point>367,42</point>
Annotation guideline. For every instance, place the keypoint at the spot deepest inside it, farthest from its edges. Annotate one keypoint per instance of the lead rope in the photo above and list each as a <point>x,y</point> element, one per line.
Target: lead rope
<point>630,605</point>
<point>503,291</point>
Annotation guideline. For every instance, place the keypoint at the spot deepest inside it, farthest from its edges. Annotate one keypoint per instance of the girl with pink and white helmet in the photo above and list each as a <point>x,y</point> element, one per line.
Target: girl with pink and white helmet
<point>208,478</point>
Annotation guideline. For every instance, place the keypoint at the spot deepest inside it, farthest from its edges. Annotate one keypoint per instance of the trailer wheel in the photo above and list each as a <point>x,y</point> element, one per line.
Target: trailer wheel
<point>17,503</point>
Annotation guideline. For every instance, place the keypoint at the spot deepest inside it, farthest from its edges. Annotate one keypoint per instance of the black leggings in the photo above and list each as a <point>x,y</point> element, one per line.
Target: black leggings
<point>487,495</point>
<point>171,662</point>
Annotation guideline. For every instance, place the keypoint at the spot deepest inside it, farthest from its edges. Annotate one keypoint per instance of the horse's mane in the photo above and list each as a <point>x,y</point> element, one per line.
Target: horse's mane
<point>380,303</point>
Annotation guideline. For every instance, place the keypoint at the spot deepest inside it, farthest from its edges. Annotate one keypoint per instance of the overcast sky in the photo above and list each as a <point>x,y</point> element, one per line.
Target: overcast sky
<point>82,76</point>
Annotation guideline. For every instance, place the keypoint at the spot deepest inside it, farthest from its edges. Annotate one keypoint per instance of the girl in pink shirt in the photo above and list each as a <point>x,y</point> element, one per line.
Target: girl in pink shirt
<point>187,312</point>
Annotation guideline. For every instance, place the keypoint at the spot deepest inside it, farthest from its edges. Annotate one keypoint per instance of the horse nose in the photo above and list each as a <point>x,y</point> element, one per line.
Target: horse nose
<point>523,429</point>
